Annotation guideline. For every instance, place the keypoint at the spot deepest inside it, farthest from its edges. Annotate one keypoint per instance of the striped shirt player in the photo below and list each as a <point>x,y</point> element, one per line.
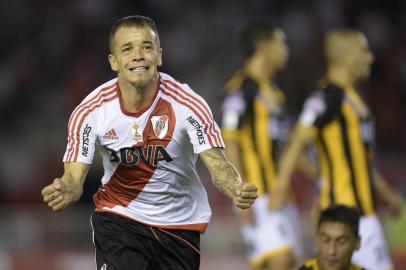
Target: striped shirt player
<point>254,127</point>
<point>254,118</point>
<point>339,124</point>
<point>344,143</point>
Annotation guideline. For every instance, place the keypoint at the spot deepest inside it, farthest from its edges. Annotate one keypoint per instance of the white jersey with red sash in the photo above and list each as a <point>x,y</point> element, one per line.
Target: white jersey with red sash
<point>148,157</point>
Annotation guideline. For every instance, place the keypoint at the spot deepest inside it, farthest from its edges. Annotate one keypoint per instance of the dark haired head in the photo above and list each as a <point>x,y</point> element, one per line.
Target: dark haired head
<point>132,21</point>
<point>341,214</point>
<point>252,34</point>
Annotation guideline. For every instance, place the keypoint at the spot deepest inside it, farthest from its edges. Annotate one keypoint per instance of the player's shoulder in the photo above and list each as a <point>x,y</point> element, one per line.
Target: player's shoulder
<point>250,90</point>
<point>328,95</point>
<point>179,91</point>
<point>234,101</point>
<point>309,265</point>
<point>306,267</point>
<point>327,91</point>
<point>245,90</point>
<point>249,85</point>
<point>176,86</point>
<point>333,91</point>
<point>105,91</point>
<point>96,99</point>
<point>315,99</point>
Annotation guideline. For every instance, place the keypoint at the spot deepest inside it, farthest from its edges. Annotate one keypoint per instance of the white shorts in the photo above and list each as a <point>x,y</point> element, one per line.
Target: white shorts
<point>273,232</point>
<point>373,253</point>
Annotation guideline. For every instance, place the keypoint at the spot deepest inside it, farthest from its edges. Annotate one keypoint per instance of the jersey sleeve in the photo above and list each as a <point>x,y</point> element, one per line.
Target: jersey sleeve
<point>322,107</point>
<point>203,131</point>
<point>82,137</point>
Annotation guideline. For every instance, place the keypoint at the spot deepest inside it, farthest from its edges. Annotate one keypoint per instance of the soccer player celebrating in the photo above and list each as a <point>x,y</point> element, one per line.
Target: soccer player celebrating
<point>339,123</point>
<point>151,206</point>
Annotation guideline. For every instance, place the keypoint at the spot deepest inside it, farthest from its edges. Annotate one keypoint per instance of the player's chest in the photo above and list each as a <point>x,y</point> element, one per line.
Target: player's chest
<point>132,141</point>
<point>156,126</point>
<point>358,120</point>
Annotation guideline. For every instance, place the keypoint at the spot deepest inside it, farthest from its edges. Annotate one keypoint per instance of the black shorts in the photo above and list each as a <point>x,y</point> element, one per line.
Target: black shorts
<point>123,244</point>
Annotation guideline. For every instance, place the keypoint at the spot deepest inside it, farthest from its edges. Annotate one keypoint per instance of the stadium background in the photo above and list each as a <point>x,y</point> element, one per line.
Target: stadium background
<point>54,52</point>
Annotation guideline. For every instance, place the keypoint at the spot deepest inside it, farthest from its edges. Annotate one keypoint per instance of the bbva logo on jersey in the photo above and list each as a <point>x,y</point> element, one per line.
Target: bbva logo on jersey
<point>160,125</point>
<point>132,156</point>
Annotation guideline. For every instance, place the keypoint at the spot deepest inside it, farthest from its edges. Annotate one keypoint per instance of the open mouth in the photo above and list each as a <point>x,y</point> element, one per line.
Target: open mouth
<point>139,69</point>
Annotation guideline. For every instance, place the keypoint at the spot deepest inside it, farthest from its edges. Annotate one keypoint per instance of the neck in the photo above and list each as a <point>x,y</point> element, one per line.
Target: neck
<point>339,76</point>
<point>321,267</point>
<point>136,97</point>
<point>256,69</point>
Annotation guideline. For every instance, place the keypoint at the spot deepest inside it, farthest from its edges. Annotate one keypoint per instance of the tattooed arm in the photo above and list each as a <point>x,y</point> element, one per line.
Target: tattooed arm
<point>226,178</point>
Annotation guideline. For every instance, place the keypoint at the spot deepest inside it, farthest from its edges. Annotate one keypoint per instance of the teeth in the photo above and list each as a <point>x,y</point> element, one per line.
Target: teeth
<point>138,69</point>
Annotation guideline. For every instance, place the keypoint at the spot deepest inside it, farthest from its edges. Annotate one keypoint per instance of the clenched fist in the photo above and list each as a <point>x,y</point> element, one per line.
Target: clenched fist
<point>244,195</point>
<point>56,195</point>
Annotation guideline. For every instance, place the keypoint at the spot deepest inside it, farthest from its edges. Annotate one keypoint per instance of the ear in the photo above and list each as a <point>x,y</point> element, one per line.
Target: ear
<point>113,62</point>
<point>159,57</point>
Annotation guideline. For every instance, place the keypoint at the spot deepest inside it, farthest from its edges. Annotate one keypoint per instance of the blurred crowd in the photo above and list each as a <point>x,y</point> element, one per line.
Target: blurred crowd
<point>55,52</point>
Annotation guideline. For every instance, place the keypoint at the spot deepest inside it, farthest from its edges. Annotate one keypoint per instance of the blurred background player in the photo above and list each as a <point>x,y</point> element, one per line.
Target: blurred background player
<point>254,128</point>
<point>337,238</point>
<point>339,123</point>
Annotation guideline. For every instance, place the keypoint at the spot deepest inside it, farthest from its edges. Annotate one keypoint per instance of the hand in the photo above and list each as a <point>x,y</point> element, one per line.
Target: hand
<point>244,195</point>
<point>56,195</point>
<point>277,199</point>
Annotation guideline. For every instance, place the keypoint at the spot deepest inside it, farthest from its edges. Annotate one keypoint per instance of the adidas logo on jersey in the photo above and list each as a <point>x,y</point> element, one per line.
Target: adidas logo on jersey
<point>111,135</point>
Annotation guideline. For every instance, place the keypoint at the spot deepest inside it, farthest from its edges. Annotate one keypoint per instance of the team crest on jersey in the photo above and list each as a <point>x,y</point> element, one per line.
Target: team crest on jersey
<point>160,125</point>
<point>136,134</point>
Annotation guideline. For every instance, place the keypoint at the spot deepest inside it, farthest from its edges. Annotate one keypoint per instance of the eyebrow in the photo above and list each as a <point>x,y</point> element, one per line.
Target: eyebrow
<point>324,234</point>
<point>126,44</point>
<point>336,238</point>
<point>129,43</point>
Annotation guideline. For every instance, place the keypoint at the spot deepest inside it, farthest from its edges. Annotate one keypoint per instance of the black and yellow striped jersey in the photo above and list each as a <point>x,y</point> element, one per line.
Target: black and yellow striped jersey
<point>344,140</point>
<point>253,116</point>
<point>312,265</point>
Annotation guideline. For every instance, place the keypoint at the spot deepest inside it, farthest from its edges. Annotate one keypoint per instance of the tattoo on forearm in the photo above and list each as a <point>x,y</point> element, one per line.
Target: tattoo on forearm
<point>223,173</point>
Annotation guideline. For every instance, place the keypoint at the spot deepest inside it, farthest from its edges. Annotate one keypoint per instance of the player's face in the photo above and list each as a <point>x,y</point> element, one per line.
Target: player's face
<point>335,243</point>
<point>280,50</point>
<point>360,58</point>
<point>136,55</point>
<point>275,50</point>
